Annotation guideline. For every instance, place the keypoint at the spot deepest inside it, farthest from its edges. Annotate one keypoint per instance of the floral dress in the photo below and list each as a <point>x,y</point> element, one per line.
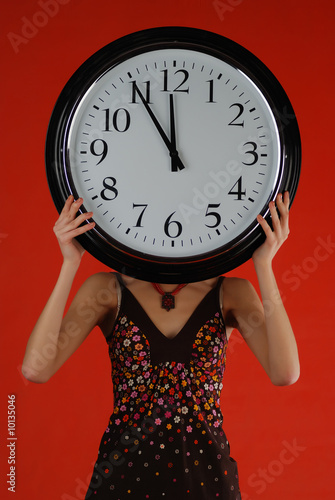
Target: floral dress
<point>164,439</point>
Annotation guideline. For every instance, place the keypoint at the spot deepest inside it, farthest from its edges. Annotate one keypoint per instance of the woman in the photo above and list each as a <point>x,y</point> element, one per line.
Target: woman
<point>164,438</point>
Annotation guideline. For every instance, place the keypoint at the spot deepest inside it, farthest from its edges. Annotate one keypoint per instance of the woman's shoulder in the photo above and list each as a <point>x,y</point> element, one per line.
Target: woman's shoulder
<point>101,281</point>
<point>236,289</point>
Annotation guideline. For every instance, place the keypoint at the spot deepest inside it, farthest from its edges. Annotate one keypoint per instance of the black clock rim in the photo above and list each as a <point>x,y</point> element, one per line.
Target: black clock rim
<point>126,260</point>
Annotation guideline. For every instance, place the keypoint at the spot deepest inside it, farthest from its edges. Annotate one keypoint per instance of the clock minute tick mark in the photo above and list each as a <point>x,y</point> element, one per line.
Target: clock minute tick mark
<point>219,76</point>
<point>252,110</point>
<point>95,197</point>
<point>217,232</point>
<point>96,107</point>
<point>128,230</point>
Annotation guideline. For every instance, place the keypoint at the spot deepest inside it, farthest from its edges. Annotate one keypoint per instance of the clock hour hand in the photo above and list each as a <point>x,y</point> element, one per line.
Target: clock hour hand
<point>174,156</point>
<point>176,161</point>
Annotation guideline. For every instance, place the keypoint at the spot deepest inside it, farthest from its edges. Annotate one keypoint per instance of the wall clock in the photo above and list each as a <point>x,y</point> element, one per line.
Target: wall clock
<point>176,138</point>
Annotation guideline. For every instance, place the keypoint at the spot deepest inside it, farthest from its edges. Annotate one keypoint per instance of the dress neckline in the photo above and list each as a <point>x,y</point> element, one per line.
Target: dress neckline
<point>188,321</point>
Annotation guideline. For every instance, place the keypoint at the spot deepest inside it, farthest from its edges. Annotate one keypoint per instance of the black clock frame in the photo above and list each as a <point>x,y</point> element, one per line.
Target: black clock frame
<point>100,244</point>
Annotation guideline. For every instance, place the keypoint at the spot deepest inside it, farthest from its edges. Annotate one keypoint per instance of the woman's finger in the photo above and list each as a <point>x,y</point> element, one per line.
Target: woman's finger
<point>69,211</point>
<point>69,224</point>
<point>68,236</point>
<point>265,226</point>
<point>283,207</point>
<point>274,216</point>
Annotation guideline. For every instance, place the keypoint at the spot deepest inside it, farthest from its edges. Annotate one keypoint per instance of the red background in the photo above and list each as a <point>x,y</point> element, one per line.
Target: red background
<point>59,424</point>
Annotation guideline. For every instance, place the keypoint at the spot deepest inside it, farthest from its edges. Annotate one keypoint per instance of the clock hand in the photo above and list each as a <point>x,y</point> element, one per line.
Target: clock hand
<point>173,152</point>
<point>174,163</point>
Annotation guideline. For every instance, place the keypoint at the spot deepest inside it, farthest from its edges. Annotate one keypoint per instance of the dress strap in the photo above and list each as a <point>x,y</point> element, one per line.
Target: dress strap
<point>219,291</point>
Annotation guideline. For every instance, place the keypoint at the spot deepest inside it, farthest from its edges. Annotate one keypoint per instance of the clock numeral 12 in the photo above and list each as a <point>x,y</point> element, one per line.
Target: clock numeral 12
<point>177,89</point>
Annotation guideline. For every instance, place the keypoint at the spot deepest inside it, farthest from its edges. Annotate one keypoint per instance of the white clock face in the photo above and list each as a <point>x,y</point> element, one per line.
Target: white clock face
<point>189,182</point>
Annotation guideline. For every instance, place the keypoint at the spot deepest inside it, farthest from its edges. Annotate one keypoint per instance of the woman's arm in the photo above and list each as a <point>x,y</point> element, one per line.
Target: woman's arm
<point>55,338</point>
<point>264,324</point>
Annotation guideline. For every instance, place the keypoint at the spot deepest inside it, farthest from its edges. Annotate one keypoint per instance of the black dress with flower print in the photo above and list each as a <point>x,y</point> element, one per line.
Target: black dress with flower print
<point>164,439</point>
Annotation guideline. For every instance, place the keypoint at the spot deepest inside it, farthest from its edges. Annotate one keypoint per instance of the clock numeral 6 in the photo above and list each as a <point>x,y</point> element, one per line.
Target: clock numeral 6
<point>168,224</point>
<point>109,183</point>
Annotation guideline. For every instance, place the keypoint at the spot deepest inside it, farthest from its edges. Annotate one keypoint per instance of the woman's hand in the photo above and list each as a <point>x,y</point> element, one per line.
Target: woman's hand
<point>67,228</point>
<point>276,237</point>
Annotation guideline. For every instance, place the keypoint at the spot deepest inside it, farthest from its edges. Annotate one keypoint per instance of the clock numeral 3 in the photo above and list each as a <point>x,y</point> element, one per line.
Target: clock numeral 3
<point>109,189</point>
<point>168,224</point>
<point>253,153</point>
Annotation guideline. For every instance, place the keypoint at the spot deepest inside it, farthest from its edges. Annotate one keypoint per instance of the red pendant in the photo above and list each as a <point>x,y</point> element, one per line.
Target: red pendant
<point>168,301</point>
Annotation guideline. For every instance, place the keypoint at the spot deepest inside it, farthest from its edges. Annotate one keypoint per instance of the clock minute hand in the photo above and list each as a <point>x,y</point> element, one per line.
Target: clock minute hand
<point>173,152</point>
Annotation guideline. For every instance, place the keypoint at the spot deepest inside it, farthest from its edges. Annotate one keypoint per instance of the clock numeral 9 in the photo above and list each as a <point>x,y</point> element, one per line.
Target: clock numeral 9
<point>168,224</point>
<point>99,147</point>
<point>109,190</point>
